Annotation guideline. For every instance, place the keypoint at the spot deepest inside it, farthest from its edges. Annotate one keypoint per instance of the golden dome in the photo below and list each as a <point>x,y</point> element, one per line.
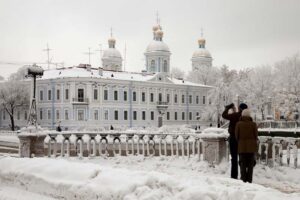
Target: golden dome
<point>159,33</point>
<point>201,41</point>
<point>156,27</point>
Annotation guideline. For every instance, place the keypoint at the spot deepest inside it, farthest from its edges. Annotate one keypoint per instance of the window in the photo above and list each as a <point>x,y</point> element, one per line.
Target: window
<point>134,115</point>
<point>151,97</point>
<point>57,114</point>
<point>125,115</point>
<point>106,115</point>
<point>66,115</point>
<point>182,115</point>
<point>49,95</point>
<point>80,115</point>
<point>175,98</point>
<point>80,95</point>
<point>41,114</point>
<point>67,94</point>
<point>95,94</point>
<point>175,115</point>
<point>116,95</point>
<point>96,115</point>
<point>168,115</point>
<point>125,95</point>
<point>134,96</point>
<point>41,95</point>
<point>165,66</point>
<point>190,116</point>
<point>143,97</point>
<point>203,99</point>
<point>190,99</point>
<point>25,115</point>
<point>168,98</point>
<point>18,115</point>
<point>105,95</point>
<point>57,94</point>
<point>152,115</point>
<point>160,97</point>
<point>197,99</point>
<point>116,117</point>
<point>152,67</point>
<point>49,114</point>
<point>182,98</point>
<point>143,115</point>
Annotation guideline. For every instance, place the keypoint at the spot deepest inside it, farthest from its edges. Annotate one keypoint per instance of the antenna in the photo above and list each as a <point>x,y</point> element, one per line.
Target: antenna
<point>157,18</point>
<point>89,53</point>
<point>125,49</point>
<point>201,32</point>
<point>111,32</point>
<point>48,51</point>
<point>101,51</point>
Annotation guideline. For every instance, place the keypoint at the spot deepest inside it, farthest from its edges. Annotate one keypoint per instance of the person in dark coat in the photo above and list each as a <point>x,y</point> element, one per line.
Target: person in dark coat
<point>246,135</point>
<point>233,146</point>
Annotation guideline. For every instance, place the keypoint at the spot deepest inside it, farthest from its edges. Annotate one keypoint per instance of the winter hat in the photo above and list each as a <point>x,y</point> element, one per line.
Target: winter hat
<point>246,113</point>
<point>243,106</point>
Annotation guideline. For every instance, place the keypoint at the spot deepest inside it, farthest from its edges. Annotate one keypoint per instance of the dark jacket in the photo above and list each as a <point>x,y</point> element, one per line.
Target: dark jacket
<point>246,135</point>
<point>233,118</point>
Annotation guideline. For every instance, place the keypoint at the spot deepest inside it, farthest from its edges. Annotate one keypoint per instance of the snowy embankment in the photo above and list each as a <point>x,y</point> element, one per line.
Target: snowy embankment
<point>137,178</point>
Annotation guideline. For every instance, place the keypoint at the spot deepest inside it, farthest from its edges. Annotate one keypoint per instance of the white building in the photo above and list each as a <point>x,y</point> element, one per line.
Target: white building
<point>83,96</point>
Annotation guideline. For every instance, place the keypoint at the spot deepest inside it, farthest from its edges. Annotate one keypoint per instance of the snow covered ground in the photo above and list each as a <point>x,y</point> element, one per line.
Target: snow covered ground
<point>135,177</point>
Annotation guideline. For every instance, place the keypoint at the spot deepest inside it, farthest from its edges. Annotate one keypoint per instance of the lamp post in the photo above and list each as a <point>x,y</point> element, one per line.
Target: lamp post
<point>34,71</point>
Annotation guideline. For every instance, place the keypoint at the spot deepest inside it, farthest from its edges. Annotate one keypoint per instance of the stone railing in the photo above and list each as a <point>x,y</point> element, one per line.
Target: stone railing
<point>210,145</point>
<point>211,148</point>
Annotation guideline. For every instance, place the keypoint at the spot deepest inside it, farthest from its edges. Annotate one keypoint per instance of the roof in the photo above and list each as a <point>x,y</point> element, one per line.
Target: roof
<point>157,46</point>
<point>201,52</point>
<point>74,72</point>
<point>111,53</point>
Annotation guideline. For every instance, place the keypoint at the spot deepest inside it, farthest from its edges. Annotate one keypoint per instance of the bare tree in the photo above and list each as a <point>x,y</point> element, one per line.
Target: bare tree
<point>14,94</point>
<point>177,73</point>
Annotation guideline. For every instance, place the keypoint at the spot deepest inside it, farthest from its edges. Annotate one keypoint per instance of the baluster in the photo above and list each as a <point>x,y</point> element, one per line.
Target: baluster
<point>152,143</point>
<point>52,139</point>
<point>66,138</point>
<point>129,139</point>
<point>103,138</point>
<point>117,138</point>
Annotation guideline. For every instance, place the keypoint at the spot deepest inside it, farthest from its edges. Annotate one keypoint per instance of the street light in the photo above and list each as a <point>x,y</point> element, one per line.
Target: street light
<point>33,71</point>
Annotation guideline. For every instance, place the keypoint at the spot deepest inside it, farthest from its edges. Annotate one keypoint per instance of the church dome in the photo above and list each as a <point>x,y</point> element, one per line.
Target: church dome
<point>157,46</point>
<point>201,52</point>
<point>111,53</point>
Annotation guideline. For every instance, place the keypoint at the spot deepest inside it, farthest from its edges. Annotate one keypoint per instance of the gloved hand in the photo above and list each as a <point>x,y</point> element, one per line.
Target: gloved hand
<point>229,106</point>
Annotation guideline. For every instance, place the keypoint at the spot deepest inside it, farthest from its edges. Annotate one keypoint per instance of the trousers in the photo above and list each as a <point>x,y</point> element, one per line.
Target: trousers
<point>247,162</point>
<point>233,146</point>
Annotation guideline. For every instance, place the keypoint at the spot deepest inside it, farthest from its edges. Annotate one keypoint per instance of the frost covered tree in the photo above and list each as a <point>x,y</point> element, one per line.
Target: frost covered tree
<point>177,73</point>
<point>14,94</point>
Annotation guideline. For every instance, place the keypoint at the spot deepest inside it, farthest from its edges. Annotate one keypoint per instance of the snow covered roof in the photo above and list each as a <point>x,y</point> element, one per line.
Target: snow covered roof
<point>157,46</point>
<point>74,72</point>
<point>201,52</point>
<point>111,53</point>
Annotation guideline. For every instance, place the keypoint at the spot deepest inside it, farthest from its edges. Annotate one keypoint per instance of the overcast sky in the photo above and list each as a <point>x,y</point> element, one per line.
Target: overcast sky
<point>238,33</point>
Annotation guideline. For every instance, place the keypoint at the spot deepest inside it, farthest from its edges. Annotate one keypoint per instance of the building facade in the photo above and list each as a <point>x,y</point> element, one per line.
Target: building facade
<point>83,96</point>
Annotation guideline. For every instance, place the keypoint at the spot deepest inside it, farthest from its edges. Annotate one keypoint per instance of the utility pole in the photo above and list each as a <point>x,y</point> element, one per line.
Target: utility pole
<point>89,53</point>
<point>48,56</point>
<point>101,51</point>
<point>125,57</point>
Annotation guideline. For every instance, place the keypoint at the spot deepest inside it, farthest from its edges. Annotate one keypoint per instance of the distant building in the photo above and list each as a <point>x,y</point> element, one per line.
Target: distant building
<point>83,96</point>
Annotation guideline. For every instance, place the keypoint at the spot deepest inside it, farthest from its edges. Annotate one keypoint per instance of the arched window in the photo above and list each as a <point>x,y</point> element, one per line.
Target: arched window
<point>165,66</point>
<point>152,67</point>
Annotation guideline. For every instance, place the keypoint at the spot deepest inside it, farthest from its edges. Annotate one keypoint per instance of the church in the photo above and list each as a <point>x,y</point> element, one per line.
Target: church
<point>105,97</point>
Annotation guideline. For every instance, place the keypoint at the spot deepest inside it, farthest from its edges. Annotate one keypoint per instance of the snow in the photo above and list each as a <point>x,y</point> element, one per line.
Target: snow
<point>76,72</point>
<point>135,177</point>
